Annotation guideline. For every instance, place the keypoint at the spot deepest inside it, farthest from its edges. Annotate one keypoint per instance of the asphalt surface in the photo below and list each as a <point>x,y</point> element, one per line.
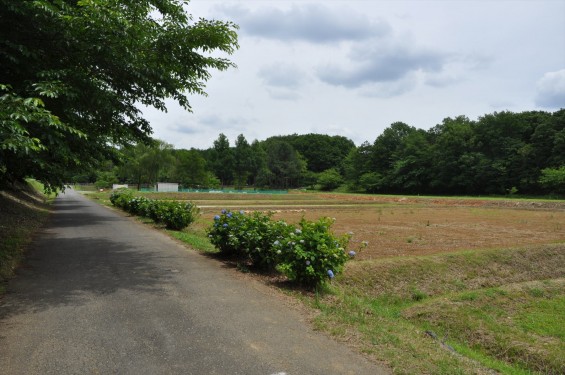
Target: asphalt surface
<point>103,294</point>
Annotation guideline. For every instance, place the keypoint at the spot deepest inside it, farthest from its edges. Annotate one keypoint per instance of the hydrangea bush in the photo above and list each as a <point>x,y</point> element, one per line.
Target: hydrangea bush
<point>312,253</point>
<point>309,254</point>
<point>175,215</point>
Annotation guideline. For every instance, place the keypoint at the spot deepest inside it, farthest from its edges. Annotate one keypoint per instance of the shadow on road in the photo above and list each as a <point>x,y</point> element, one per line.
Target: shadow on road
<point>61,271</point>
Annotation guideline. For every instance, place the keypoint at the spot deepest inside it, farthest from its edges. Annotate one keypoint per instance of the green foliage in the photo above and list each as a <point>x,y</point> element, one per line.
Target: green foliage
<point>175,215</point>
<point>311,254</point>
<point>553,179</point>
<point>222,159</point>
<point>190,169</point>
<point>329,179</point>
<point>498,153</point>
<point>105,180</point>
<point>74,74</point>
<point>308,254</point>
<point>320,151</point>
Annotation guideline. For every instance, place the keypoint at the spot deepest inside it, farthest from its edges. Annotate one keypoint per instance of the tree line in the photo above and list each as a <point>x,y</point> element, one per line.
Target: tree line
<point>498,154</point>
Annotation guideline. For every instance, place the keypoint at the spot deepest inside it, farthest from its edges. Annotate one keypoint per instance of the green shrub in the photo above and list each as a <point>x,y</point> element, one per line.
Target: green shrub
<point>257,234</point>
<point>137,206</point>
<point>312,254</point>
<point>308,254</point>
<point>121,197</point>
<point>175,215</point>
<point>223,233</point>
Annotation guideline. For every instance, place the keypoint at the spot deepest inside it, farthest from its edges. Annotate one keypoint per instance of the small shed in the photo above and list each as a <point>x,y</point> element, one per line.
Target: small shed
<point>167,187</point>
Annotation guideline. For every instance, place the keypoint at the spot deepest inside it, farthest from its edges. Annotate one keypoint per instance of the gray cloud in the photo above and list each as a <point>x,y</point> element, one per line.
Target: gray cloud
<point>551,90</point>
<point>185,129</point>
<point>283,81</point>
<point>382,64</point>
<point>314,23</point>
<point>282,75</point>
<point>215,121</point>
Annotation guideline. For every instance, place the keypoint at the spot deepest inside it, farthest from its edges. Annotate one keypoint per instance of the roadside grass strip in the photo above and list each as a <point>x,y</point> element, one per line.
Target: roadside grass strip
<point>454,313</point>
<point>22,212</point>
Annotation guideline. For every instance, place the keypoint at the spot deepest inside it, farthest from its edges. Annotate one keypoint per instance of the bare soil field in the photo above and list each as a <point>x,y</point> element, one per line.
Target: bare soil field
<point>405,226</point>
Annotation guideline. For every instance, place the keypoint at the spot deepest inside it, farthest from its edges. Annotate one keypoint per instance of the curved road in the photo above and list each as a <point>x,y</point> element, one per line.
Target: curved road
<point>102,294</point>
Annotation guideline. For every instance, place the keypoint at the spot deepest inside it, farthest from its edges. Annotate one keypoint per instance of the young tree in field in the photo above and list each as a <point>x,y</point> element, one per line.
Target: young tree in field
<point>74,74</point>
<point>553,179</point>
<point>359,162</point>
<point>190,168</point>
<point>147,164</point>
<point>329,179</point>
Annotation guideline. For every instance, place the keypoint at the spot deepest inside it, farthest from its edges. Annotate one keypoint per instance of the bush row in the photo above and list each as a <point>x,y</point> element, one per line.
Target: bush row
<point>175,215</point>
<point>309,253</point>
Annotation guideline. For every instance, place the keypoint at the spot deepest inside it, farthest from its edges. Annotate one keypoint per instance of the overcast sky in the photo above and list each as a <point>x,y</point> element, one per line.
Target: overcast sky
<point>352,68</point>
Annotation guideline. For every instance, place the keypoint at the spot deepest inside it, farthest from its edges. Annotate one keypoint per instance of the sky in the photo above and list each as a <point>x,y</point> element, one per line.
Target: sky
<point>352,68</point>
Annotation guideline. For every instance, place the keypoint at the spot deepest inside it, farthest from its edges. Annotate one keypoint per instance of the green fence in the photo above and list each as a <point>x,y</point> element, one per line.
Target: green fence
<point>221,191</point>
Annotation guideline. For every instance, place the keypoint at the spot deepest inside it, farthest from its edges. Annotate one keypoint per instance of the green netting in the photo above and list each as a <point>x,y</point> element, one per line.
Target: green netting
<point>233,191</point>
<point>221,191</point>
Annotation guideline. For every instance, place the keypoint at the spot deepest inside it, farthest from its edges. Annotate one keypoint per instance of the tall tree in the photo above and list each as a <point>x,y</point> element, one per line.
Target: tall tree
<point>286,165</point>
<point>75,72</point>
<point>222,159</point>
<point>242,161</point>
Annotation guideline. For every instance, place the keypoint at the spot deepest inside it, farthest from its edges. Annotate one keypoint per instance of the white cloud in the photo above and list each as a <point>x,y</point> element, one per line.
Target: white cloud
<point>551,90</point>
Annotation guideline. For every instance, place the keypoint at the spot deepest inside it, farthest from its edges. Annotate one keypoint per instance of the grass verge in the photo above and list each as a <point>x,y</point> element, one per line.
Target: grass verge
<point>23,210</point>
<point>468,312</point>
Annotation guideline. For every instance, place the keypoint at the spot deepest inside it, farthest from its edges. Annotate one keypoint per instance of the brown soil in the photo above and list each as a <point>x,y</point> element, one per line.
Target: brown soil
<point>403,226</point>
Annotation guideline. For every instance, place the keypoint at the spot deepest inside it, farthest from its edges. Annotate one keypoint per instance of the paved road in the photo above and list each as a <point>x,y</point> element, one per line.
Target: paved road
<point>102,294</point>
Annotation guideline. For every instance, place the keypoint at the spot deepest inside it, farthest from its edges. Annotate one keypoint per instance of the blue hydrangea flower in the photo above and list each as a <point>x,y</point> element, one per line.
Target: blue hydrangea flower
<point>225,225</point>
<point>242,212</point>
<point>331,274</point>
<point>229,214</point>
<point>224,211</point>
<point>352,253</point>
<point>217,217</point>
<point>307,262</point>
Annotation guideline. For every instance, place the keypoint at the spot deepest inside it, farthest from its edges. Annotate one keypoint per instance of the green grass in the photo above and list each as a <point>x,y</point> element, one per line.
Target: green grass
<point>23,210</point>
<point>509,323</point>
<point>196,240</point>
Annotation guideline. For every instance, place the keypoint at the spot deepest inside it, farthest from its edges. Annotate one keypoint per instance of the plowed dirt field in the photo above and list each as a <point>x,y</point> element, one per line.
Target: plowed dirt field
<point>403,226</point>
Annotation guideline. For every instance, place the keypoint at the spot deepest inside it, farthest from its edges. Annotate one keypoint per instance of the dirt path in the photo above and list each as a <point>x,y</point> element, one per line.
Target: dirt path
<point>102,294</point>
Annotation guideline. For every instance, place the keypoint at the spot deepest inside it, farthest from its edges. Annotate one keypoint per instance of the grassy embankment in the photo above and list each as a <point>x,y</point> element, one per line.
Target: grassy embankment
<point>23,210</point>
<point>461,312</point>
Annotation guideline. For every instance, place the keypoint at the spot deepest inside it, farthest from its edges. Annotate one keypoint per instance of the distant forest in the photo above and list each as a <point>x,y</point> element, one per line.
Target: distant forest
<point>498,154</point>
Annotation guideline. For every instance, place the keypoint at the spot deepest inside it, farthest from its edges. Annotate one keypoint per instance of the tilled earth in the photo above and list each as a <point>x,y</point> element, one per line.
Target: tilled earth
<point>401,226</point>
